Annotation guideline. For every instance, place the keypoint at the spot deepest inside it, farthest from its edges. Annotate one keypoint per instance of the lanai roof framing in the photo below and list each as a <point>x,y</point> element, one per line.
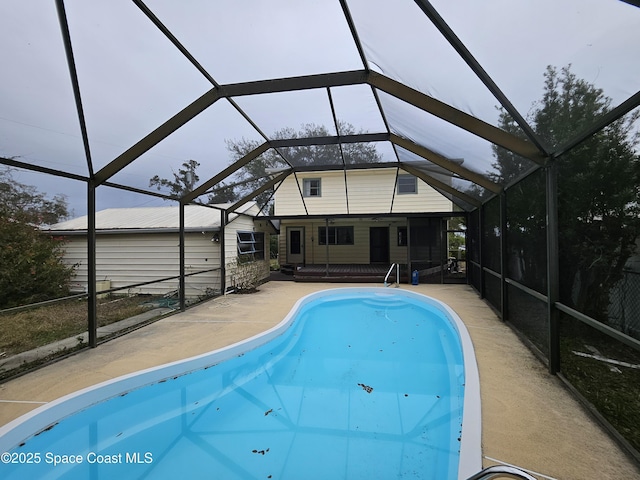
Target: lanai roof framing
<point>531,149</point>
<point>413,97</point>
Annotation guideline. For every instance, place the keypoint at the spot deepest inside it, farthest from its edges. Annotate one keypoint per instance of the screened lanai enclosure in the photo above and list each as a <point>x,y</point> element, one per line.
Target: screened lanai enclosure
<point>523,115</point>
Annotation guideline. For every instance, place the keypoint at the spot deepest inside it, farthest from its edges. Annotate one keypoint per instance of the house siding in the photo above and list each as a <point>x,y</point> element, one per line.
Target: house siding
<point>367,192</point>
<point>358,253</point>
<point>371,191</point>
<point>130,259</point>
<point>243,223</point>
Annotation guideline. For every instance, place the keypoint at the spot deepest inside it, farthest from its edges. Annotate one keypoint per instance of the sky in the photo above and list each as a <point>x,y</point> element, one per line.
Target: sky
<point>132,79</point>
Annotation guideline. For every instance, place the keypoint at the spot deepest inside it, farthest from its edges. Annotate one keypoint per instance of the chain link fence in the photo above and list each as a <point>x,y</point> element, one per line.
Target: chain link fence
<point>624,308</point>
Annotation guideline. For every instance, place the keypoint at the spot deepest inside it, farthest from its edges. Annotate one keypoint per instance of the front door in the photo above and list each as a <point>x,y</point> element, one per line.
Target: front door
<point>295,245</point>
<point>379,245</point>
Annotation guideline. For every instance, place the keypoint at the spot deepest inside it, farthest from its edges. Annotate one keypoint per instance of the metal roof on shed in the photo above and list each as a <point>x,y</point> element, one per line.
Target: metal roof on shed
<point>150,218</point>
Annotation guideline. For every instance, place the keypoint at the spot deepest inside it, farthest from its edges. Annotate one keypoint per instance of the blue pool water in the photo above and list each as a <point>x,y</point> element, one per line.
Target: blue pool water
<point>357,383</point>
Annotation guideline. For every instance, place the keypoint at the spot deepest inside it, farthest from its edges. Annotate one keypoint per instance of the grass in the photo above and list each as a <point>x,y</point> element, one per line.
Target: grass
<point>28,329</point>
<point>614,393</point>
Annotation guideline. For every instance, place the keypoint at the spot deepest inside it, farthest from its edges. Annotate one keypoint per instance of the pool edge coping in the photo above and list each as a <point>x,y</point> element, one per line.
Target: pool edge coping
<point>30,424</point>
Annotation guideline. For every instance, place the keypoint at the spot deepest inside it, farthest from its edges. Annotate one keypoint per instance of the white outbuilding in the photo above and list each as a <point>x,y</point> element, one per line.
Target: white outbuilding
<point>138,250</point>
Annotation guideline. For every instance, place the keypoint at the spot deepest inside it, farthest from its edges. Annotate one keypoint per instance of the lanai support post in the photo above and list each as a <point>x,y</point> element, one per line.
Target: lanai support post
<point>92,304</point>
<point>553,266</point>
<point>326,242</point>
<point>481,248</point>
<point>444,248</point>
<point>224,219</point>
<point>503,256</point>
<point>182,284</point>
<point>409,264</point>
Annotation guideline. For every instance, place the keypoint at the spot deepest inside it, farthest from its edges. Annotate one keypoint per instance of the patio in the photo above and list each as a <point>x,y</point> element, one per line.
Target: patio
<point>529,418</point>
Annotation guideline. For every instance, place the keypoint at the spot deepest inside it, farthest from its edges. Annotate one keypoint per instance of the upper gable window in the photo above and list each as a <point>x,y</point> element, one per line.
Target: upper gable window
<point>311,187</point>
<point>407,184</point>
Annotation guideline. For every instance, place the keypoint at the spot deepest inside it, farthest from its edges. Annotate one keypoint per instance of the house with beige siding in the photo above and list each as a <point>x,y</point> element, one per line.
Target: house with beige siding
<point>375,217</point>
<point>137,249</point>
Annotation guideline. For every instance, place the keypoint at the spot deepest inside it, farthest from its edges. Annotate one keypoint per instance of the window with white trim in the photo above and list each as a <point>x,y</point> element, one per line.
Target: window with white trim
<point>407,184</point>
<point>311,187</point>
<point>250,245</point>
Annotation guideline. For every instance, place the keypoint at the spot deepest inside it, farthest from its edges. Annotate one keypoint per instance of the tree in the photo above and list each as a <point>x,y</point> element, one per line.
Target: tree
<point>598,193</point>
<point>255,173</point>
<point>24,202</point>
<point>31,267</point>
<point>183,181</point>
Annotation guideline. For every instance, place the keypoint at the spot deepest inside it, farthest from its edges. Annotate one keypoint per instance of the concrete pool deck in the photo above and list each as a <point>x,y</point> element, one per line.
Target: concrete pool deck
<point>529,418</point>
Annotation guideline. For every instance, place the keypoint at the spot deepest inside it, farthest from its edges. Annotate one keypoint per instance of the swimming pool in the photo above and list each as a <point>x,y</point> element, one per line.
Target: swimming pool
<point>353,383</point>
